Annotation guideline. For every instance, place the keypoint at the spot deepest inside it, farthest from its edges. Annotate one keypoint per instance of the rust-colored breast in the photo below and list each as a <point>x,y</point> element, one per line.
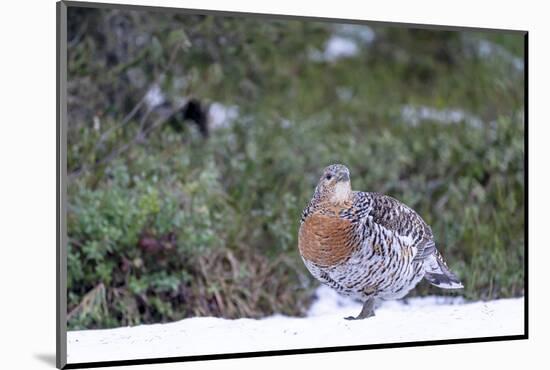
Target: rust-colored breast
<point>326,240</point>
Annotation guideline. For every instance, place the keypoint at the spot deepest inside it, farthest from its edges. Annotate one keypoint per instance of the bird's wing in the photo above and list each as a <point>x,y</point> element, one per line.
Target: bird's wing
<point>306,211</point>
<point>403,221</point>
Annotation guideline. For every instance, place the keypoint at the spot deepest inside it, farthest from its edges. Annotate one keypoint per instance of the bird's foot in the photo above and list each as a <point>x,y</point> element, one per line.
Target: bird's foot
<point>360,317</point>
<point>366,312</point>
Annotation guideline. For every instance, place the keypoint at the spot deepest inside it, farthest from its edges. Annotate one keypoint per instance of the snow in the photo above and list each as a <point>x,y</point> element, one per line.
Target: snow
<point>416,114</point>
<point>336,47</point>
<point>487,49</point>
<point>415,319</point>
<point>361,33</point>
<point>221,116</point>
<point>154,97</point>
<point>345,42</point>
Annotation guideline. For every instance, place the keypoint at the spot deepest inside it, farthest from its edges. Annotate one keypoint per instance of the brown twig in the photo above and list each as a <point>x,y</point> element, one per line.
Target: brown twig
<point>124,121</point>
<point>92,298</point>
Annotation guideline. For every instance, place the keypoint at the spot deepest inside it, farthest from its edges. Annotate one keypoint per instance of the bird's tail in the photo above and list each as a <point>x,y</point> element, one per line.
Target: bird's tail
<point>438,274</point>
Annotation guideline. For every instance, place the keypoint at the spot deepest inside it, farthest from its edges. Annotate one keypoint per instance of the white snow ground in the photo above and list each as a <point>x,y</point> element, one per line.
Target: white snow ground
<point>417,319</point>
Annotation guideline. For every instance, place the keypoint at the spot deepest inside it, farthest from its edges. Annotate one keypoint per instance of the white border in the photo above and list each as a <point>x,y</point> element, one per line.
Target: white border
<point>27,146</point>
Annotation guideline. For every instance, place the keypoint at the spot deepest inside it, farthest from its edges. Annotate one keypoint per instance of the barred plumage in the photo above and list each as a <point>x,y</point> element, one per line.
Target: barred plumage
<point>367,245</point>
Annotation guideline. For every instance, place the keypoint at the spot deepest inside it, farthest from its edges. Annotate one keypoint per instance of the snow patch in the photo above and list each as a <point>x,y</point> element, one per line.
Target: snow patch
<point>336,47</point>
<point>154,97</point>
<point>416,319</point>
<point>344,93</point>
<point>487,49</point>
<point>414,115</point>
<point>328,301</point>
<point>346,41</point>
<point>286,123</point>
<point>222,116</point>
<point>361,33</point>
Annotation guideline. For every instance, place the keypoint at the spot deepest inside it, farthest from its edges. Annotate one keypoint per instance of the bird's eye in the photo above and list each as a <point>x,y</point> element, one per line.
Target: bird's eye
<point>328,177</point>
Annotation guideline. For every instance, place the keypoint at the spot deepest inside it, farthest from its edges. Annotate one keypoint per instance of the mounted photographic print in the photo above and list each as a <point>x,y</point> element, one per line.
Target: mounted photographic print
<point>235,184</point>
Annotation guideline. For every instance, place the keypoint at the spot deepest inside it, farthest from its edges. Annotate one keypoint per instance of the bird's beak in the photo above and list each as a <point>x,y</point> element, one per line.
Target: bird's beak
<point>343,177</point>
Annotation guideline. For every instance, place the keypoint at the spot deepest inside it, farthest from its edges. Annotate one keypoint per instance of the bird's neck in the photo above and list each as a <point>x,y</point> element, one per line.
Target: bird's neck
<point>339,195</point>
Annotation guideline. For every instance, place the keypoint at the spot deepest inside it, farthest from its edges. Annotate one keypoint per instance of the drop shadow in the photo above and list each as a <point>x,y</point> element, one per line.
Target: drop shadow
<point>47,358</point>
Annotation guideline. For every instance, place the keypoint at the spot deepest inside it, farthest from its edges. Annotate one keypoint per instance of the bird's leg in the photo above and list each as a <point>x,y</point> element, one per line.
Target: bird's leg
<point>366,312</point>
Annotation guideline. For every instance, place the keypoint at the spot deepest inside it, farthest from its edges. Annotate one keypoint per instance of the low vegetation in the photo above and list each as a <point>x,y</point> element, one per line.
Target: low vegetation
<point>165,223</point>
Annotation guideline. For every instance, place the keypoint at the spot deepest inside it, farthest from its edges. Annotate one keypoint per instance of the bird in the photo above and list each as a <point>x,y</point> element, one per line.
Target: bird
<point>367,245</point>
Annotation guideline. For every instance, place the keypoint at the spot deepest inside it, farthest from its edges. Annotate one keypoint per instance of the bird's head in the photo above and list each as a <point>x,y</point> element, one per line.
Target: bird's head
<point>334,185</point>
